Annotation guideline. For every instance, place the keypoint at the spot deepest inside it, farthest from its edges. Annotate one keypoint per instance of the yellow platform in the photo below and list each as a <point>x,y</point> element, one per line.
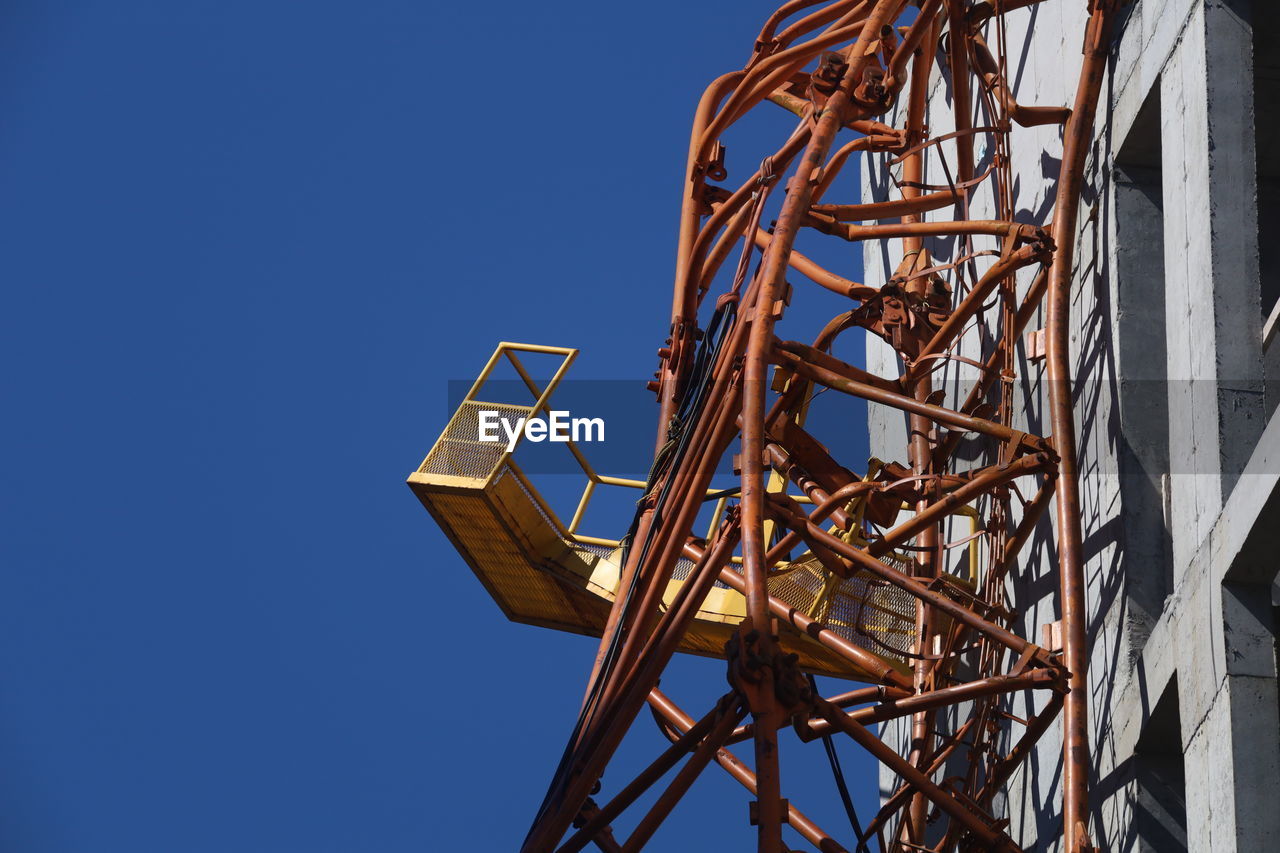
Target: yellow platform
<point>543,572</point>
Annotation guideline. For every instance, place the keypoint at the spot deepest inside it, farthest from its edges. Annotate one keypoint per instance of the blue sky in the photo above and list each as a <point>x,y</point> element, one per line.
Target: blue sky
<point>246,246</point>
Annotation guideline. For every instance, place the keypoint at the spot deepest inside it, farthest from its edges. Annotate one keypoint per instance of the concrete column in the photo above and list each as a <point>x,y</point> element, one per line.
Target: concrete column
<point>1229,726</point>
<point>1225,634</point>
<point>1213,325</point>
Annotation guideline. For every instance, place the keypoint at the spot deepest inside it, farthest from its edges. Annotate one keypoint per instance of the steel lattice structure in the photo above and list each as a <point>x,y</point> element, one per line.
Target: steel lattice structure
<point>856,75</point>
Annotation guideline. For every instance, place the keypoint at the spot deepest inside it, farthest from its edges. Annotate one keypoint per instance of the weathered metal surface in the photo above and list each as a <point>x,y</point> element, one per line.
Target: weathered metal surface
<point>846,69</point>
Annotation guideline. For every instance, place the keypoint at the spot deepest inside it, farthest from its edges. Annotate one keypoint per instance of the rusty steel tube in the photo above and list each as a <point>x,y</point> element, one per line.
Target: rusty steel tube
<point>934,699</point>
<point>697,762</point>
<point>860,86</point>
<point>937,414</point>
<point>679,721</point>
<point>909,584</point>
<point>688,740</point>
<point>1075,741</point>
<point>773,268</point>
<point>808,626</point>
<point>817,274</point>
<point>992,838</point>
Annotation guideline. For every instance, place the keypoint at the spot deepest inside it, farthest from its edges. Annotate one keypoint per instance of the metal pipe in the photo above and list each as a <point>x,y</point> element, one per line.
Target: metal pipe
<point>1075,651</point>
<point>992,838</point>
<point>679,721</point>
<point>684,778</point>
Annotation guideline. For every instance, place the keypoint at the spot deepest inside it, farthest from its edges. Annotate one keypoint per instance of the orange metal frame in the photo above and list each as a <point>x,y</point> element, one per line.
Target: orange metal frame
<point>845,69</point>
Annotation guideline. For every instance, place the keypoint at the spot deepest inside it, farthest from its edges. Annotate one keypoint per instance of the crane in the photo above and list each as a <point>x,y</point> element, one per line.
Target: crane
<point>891,574</point>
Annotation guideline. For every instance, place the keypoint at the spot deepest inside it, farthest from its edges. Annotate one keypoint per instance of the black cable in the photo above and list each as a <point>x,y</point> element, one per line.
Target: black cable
<point>841,785</point>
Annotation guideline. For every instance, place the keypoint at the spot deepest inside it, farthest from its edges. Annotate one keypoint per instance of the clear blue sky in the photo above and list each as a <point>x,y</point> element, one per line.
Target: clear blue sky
<point>245,247</point>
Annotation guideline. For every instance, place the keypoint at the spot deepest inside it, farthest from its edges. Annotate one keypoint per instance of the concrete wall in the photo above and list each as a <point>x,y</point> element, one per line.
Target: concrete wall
<point>1170,412</point>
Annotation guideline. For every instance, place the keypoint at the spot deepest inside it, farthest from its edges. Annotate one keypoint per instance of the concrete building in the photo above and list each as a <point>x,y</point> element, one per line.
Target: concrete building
<point>1177,275</point>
